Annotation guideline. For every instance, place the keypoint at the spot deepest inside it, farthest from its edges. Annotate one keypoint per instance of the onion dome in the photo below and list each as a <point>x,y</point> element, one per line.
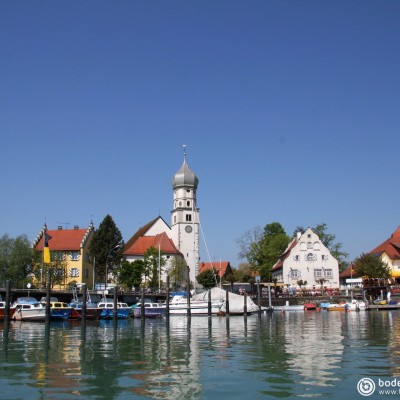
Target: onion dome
<point>185,176</point>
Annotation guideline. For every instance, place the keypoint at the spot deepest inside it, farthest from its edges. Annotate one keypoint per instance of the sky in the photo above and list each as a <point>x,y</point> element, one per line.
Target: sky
<point>289,110</point>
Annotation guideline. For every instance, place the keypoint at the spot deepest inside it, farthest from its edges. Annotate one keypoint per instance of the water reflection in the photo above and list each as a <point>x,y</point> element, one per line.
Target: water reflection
<point>280,355</point>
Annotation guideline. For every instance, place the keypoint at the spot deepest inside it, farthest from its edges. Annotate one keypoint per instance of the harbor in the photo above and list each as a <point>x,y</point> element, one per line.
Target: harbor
<point>271,356</point>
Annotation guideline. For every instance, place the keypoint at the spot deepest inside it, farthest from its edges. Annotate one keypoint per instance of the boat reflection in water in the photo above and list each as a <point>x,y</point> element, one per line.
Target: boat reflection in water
<point>314,354</point>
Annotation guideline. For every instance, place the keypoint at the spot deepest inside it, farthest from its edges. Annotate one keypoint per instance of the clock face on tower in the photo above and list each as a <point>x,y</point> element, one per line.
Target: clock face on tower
<point>188,228</point>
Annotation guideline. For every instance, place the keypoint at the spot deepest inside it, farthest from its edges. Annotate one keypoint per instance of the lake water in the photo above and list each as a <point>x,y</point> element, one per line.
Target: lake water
<point>293,355</point>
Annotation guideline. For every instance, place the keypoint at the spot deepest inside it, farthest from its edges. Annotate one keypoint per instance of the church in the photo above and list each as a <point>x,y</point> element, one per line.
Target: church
<point>180,241</point>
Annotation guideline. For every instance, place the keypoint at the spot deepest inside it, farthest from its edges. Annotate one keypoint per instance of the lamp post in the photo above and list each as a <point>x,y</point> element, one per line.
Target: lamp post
<point>108,256</point>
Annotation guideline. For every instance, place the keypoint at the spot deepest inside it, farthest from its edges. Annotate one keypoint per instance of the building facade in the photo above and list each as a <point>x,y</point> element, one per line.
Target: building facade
<point>389,252</point>
<point>69,255</point>
<point>307,259</point>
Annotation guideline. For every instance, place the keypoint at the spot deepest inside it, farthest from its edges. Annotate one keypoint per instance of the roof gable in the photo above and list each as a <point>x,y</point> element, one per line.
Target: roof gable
<point>390,246</point>
<point>142,244</point>
<point>223,268</point>
<point>63,239</point>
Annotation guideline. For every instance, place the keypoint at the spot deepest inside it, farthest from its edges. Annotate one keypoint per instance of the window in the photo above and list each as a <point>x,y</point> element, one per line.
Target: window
<point>73,272</point>
<point>296,258</point>
<point>318,272</point>
<point>310,257</point>
<point>188,203</point>
<point>86,273</point>
<point>188,217</point>
<point>74,256</point>
<point>324,257</point>
<point>58,256</point>
<point>295,273</point>
<point>328,273</point>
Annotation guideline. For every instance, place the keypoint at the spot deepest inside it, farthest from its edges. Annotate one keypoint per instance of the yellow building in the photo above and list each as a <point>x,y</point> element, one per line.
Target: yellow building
<point>389,252</point>
<point>69,255</point>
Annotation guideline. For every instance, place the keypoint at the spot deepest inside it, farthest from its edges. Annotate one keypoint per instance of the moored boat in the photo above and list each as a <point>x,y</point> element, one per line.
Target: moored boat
<point>29,309</point>
<point>151,310</point>
<point>310,306</point>
<point>179,306</point>
<point>107,307</point>
<point>336,307</point>
<point>3,311</point>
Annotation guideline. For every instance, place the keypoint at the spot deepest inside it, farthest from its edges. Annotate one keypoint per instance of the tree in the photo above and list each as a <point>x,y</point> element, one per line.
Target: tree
<point>177,271</point>
<point>106,247</point>
<point>131,273</point>
<point>208,278</point>
<point>371,266</point>
<point>263,249</point>
<point>15,260</point>
<point>301,283</point>
<point>154,263</point>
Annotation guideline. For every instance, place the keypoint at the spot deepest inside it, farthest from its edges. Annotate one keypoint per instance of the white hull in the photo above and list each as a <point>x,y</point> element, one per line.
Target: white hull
<point>198,309</point>
<point>38,314</point>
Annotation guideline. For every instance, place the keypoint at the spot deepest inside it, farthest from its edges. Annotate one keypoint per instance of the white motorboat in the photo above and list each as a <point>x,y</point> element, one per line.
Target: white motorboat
<point>29,309</point>
<point>179,306</point>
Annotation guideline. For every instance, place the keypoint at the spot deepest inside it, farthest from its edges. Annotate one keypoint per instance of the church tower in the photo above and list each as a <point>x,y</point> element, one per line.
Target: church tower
<point>185,217</point>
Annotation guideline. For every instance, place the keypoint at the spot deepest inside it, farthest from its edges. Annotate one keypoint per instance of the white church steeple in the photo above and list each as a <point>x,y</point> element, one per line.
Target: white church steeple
<point>185,216</point>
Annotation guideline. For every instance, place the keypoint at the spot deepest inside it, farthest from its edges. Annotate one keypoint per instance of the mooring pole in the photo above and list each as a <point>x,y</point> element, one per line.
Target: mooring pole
<point>142,305</point>
<point>84,297</point>
<point>209,303</point>
<point>245,304</point>
<point>227,303</point>
<point>115,313</point>
<point>48,286</point>
<point>8,299</point>
<point>167,299</point>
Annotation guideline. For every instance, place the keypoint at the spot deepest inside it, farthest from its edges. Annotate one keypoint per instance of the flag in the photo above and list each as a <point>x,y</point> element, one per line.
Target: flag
<point>46,249</point>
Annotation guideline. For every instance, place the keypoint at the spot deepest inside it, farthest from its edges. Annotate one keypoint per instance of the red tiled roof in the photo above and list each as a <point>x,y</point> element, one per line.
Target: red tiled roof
<point>225,267</point>
<point>390,246</point>
<point>347,272</point>
<point>142,244</point>
<point>63,239</point>
<point>285,255</point>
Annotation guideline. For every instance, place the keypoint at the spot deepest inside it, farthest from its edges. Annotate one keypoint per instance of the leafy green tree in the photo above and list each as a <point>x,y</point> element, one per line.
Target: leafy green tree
<point>208,278</point>
<point>154,264</point>
<point>15,260</point>
<point>131,273</point>
<point>106,247</point>
<point>263,249</point>
<point>371,266</point>
<point>177,271</point>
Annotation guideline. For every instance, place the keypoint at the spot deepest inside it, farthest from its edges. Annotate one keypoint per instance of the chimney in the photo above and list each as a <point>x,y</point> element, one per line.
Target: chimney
<point>298,235</point>
<point>76,227</point>
<point>59,228</point>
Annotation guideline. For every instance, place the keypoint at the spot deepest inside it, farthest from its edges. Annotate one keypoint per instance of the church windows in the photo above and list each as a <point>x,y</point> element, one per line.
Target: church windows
<point>188,203</point>
<point>188,217</point>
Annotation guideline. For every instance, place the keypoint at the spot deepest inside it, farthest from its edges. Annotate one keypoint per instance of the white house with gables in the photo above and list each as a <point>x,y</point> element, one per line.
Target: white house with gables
<point>307,259</point>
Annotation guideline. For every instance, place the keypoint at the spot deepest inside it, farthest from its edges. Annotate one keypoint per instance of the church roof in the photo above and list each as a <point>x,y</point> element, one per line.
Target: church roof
<point>185,177</point>
<point>143,243</point>
<point>390,246</point>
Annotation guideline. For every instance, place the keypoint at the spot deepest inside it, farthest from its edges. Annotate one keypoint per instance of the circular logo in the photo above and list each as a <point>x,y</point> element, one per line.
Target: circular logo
<point>366,386</point>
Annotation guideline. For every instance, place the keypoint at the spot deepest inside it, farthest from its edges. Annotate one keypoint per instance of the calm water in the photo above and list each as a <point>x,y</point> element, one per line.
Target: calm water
<point>311,354</point>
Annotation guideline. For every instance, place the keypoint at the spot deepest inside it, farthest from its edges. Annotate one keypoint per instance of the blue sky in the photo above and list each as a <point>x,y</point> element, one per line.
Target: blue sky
<point>289,109</point>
